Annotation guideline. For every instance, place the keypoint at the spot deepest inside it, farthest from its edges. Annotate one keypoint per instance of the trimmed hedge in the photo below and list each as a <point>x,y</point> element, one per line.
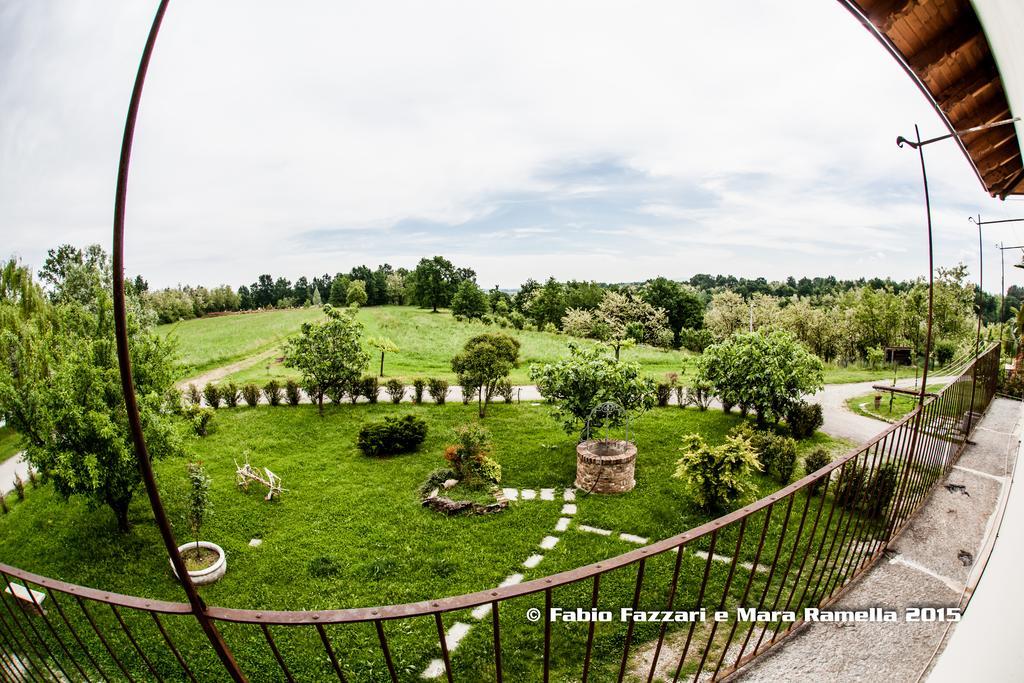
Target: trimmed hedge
<point>391,436</point>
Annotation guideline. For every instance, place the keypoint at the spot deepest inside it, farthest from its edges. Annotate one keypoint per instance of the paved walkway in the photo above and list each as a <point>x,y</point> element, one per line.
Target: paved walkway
<point>932,563</point>
<point>8,469</point>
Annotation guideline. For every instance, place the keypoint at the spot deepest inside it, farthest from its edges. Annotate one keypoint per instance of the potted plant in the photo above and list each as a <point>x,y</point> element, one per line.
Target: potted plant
<point>204,561</point>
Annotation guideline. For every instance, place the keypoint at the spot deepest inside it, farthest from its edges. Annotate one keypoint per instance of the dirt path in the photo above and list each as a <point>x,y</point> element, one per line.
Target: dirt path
<point>220,373</point>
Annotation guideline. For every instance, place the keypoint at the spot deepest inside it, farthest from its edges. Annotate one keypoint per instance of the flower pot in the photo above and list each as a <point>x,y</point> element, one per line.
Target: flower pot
<point>201,577</point>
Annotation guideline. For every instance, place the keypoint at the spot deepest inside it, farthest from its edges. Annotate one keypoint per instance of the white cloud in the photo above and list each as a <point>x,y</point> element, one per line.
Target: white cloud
<point>262,122</point>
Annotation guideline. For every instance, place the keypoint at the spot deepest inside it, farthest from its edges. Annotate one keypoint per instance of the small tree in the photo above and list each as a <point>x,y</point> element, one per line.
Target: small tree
<point>717,477</point>
<point>198,503</point>
<point>486,360</point>
<point>212,395</point>
<point>356,295</point>
<point>328,353</point>
<point>587,378</point>
<point>765,371</point>
<point>272,390</point>
<point>384,345</point>
<point>470,301</point>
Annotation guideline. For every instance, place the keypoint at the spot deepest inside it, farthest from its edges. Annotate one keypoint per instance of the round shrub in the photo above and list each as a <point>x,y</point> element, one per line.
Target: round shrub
<point>395,390</point>
<point>777,454</point>
<point>369,387</point>
<point>814,461</point>
<point>212,395</point>
<point>229,392</point>
<point>418,385</point>
<point>393,435</point>
<point>880,490</point>
<point>470,455</point>
<point>804,419</point>
<point>663,392</point>
<point>251,394</point>
<point>438,390</point>
<point>292,393</point>
<point>272,390</point>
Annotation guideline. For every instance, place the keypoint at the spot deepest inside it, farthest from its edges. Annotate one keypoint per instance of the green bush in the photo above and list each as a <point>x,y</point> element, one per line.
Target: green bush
<point>292,393</point>
<point>251,394</point>
<point>804,419</point>
<point>469,392</point>
<point>438,390</point>
<point>504,389</point>
<point>517,320</point>
<point>469,456</point>
<point>229,392</point>
<point>272,390</point>
<point>850,486</point>
<point>436,479</point>
<point>391,436</point>
<point>395,390</point>
<point>717,477</point>
<point>695,340</point>
<point>19,487</point>
<point>418,385</point>
<point>945,350</point>
<point>880,490</point>
<point>199,417</point>
<point>814,461</point>
<point>193,396</point>
<point>777,454</point>
<point>369,387</point>
<point>663,392</point>
<point>212,395</point>
<point>550,328</point>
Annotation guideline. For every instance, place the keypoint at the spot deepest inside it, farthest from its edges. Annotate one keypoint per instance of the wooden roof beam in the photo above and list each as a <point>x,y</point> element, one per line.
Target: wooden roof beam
<point>982,78</point>
<point>887,13</point>
<point>993,141</point>
<point>1012,185</point>
<point>1004,175</point>
<point>947,46</point>
<point>994,110</point>
<point>998,161</point>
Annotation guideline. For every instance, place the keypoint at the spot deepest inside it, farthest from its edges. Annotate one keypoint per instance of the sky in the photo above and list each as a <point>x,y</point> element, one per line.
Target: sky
<point>589,139</point>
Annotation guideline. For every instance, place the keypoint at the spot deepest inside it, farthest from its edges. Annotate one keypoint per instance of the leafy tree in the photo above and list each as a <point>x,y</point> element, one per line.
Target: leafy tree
<point>384,345</point>
<point>339,291</point>
<point>717,476</point>
<point>328,353</point>
<point>766,371</point>
<point>60,389</point>
<point>623,319</point>
<point>73,274</point>
<point>434,282</point>
<point>469,300</point>
<point>317,300</point>
<point>683,306</point>
<point>395,287</point>
<point>587,378</point>
<point>485,361</point>
<point>356,295</point>
<point>547,305</point>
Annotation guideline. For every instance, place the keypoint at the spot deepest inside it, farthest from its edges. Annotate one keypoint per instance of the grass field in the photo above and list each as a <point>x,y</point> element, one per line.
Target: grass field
<point>901,404</point>
<point>427,342</point>
<point>10,443</point>
<point>350,531</point>
<point>835,374</point>
<point>211,342</point>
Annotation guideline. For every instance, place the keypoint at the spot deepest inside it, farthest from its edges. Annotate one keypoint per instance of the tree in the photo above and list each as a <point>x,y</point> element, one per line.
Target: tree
<point>622,319</point>
<point>339,290</point>
<point>328,354</point>
<point>766,371</point>
<point>486,360</point>
<point>469,300</point>
<point>384,345</point>
<point>73,274</point>
<point>198,498</point>
<point>61,390</point>
<point>396,287</point>
<point>356,295</point>
<point>547,305</point>
<point>683,306</point>
<point>587,378</point>
<point>317,300</point>
<point>434,282</point>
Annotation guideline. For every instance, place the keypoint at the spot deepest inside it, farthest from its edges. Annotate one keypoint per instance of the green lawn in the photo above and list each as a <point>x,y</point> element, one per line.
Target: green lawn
<point>835,374</point>
<point>901,404</point>
<point>427,342</point>
<point>10,443</point>
<point>214,341</point>
<point>350,532</point>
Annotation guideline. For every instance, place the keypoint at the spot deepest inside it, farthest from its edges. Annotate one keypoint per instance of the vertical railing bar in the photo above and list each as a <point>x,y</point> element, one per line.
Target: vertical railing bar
<point>11,658</point>
<point>700,601</point>
<point>8,670</point>
<point>277,653</point>
<point>496,632</point>
<point>444,646</point>
<point>330,652</point>
<point>24,657</point>
<point>170,644</point>
<point>78,638</point>
<point>842,548</point>
<point>907,482</point>
<point>591,627</point>
<point>28,639</point>
<point>824,537</point>
<point>103,641</point>
<point>629,627</point>
<point>56,636</point>
<point>789,563</point>
<point>922,461</point>
<point>135,644</point>
<point>842,576</point>
<point>671,602</point>
<point>379,626</point>
<point>844,516</point>
<point>885,535</point>
<point>547,634</point>
<point>803,561</point>
<point>725,596</point>
<point>746,590</point>
<point>771,574</point>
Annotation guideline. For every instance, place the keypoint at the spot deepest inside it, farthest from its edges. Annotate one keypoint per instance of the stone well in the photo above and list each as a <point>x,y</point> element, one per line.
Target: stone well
<point>605,466</point>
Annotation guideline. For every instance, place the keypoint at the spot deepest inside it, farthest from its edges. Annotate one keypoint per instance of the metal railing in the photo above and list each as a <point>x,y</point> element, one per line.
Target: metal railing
<point>798,547</point>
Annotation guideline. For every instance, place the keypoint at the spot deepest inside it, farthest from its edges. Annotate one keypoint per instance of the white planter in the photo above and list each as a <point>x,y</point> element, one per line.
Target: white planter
<point>212,573</point>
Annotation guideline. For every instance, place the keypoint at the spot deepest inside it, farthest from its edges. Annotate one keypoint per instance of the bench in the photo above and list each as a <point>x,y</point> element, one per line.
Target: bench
<point>28,598</point>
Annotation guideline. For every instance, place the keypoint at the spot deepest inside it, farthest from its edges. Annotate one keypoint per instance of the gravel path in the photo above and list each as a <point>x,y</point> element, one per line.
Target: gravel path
<point>220,373</point>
